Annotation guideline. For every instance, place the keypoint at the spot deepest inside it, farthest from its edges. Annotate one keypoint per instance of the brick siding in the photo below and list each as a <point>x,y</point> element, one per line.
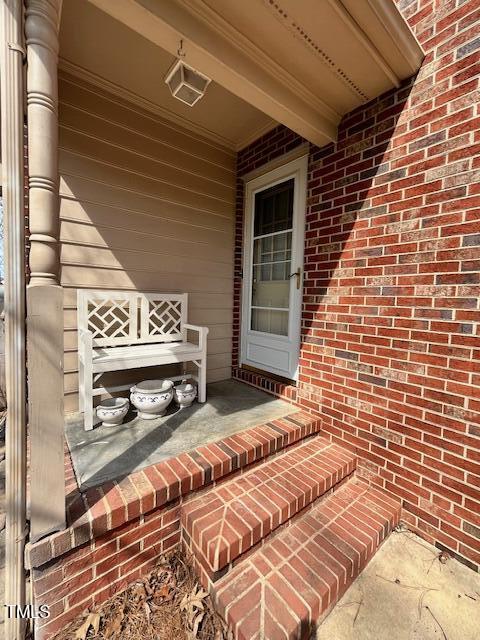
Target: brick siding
<point>390,355</point>
<point>101,567</point>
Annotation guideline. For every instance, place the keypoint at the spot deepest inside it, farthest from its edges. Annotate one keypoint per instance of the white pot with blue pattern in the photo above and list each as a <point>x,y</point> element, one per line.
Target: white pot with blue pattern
<point>151,398</point>
<point>112,411</point>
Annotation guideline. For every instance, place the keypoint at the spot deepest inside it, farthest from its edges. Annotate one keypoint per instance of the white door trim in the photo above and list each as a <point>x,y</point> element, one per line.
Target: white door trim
<point>296,169</point>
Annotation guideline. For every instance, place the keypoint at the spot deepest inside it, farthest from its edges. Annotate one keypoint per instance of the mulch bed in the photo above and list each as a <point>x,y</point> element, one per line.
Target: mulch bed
<point>168,604</point>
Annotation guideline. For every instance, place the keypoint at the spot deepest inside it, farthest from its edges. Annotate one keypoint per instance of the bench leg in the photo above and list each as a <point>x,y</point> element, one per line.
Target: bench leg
<point>87,400</point>
<point>88,413</point>
<point>81,387</point>
<point>202,381</point>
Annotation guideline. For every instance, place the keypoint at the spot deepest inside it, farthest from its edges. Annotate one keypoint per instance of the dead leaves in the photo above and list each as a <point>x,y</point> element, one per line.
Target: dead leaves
<point>114,625</point>
<point>192,604</point>
<point>168,604</point>
<point>92,622</point>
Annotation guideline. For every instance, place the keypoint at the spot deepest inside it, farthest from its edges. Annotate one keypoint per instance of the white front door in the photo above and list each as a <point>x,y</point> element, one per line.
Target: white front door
<point>273,269</point>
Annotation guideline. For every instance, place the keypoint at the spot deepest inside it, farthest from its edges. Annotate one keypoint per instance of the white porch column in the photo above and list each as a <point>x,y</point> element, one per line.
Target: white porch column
<point>13,199</point>
<point>44,293</point>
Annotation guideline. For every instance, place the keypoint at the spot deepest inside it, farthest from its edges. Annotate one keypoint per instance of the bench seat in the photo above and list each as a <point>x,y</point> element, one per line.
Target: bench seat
<point>143,355</point>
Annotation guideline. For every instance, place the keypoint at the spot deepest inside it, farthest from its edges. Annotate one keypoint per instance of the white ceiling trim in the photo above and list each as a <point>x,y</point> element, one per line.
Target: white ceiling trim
<point>301,34</point>
<point>403,37</point>
<point>214,44</point>
<point>365,41</point>
<point>228,31</point>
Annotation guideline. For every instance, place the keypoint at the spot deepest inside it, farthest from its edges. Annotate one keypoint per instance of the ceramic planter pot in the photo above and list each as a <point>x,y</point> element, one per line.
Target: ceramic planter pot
<point>112,411</point>
<point>184,394</point>
<point>151,398</point>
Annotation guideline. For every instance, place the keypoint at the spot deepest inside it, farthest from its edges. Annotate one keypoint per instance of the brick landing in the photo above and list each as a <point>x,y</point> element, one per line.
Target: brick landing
<point>284,589</point>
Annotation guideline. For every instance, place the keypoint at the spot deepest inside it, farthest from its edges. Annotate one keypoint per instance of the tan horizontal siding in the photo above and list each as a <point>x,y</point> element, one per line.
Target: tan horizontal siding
<point>143,163</point>
<point>144,205</point>
<point>85,97</point>
<point>125,179</point>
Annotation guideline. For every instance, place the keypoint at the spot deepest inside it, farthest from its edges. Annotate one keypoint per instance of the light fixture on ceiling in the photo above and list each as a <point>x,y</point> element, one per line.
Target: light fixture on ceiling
<point>186,83</point>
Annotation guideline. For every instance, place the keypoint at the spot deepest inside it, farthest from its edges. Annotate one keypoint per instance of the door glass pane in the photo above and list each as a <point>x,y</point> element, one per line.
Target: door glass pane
<point>274,208</point>
<point>270,321</point>
<point>271,268</point>
<point>272,253</point>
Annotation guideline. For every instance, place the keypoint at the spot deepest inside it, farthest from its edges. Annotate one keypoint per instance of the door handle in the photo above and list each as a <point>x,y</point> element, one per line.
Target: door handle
<point>298,274</point>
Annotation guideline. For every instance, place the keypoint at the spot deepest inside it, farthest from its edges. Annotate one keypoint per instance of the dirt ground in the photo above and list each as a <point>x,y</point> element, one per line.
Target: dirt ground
<point>169,604</point>
<point>406,593</point>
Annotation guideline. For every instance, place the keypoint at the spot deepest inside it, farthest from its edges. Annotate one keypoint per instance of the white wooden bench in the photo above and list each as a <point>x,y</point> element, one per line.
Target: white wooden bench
<point>127,330</point>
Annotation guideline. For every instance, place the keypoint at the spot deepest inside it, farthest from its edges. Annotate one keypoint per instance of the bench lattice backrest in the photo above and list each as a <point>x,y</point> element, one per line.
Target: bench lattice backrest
<point>117,318</point>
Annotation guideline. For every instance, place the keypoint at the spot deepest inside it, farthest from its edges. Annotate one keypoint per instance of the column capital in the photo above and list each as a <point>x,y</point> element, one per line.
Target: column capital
<point>42,21</point>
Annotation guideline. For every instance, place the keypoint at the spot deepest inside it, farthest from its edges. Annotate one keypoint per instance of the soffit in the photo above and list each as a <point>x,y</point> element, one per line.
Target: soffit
<point>330,47</point>
<point>304,63</point>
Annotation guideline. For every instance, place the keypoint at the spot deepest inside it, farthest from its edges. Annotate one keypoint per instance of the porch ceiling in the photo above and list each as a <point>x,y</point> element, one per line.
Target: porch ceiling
<point>303,63</point>
<point>108,54</point>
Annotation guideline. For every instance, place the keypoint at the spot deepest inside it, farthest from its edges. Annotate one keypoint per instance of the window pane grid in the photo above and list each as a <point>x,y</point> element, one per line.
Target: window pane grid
<point>274,208</point>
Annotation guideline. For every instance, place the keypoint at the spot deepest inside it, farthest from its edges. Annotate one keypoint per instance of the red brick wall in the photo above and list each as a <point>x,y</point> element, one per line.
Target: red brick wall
<point>390,353</point>
<point>98,569</point>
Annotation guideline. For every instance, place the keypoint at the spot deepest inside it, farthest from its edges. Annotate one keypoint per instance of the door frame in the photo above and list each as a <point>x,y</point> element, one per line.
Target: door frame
<point>298,170</point>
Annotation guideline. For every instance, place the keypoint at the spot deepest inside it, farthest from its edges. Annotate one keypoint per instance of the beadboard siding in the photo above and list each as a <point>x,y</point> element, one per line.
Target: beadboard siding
<point>144,205</point>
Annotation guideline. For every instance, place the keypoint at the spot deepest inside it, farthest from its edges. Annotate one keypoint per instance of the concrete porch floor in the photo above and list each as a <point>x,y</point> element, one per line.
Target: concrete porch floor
<point>405,593</point>
<point>107,453</point>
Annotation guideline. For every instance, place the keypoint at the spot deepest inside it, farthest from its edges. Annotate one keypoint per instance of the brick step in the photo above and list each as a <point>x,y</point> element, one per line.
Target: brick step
<point>230,519</point>
<point>289,585</point>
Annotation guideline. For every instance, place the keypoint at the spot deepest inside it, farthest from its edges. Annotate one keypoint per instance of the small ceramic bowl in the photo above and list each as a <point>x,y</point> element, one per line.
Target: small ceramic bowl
<point>151,398</point>
<point>112,411</point>
<point>184,394</point>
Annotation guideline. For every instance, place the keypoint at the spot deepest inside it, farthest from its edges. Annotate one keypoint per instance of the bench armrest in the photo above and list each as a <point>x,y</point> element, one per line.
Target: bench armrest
<point>202,334</point>
<point>85,342</point>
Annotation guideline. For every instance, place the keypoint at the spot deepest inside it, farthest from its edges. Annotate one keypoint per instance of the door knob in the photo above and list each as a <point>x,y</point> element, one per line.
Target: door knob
<point>298,274</point>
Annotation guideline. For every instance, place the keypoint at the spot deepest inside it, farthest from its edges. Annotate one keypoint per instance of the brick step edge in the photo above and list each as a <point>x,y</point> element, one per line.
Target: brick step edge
<point>96,511</point>
<point>227,521</point>
<point>283,590</point>
<point>203,571</point>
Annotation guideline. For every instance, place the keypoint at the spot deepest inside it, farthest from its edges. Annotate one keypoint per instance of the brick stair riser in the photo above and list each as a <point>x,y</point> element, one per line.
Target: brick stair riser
<point>134,502</point>
<point>286,588</point>
<point>226,522</point>
<point>101,509</point>
<point>208,576</point>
